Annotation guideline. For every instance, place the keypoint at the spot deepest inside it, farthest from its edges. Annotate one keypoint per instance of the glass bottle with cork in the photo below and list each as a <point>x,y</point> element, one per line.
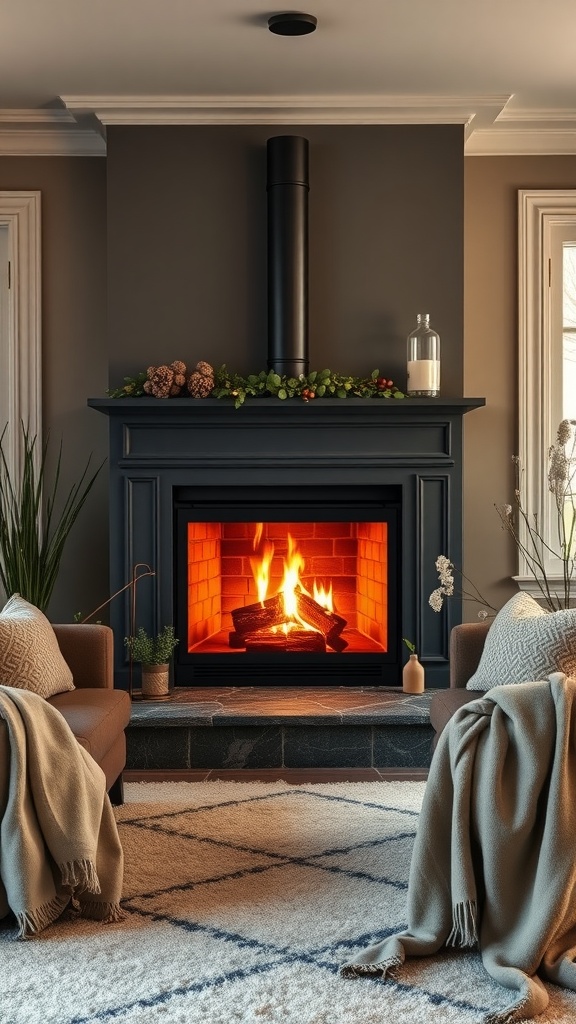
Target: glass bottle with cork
<point>423,360</point>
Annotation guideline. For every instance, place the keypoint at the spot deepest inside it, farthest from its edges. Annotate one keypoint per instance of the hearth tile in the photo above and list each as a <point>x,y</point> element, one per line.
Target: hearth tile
<point>168,713</point>
<point>157,748</point>
<point>398,746</point>
<point>334,747</point>
<point>236,747</point>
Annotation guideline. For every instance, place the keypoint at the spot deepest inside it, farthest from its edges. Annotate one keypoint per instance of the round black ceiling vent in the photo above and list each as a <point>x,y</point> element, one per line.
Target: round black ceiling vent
<point>292,24</point>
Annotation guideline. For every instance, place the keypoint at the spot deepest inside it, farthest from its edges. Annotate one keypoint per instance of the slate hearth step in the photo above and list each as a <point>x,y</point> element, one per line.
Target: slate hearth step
<point>281,727</point>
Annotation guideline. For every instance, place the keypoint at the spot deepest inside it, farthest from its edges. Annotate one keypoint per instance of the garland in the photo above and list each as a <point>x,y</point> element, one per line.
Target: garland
<point>317,384</point>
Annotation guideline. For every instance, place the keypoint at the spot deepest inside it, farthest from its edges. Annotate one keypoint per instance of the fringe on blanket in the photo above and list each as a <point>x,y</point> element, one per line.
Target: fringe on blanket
<point>383,968</point>
<point>80,876</point>
<point>464,925</point>
<point>107,913</point>
<point>32,921</point>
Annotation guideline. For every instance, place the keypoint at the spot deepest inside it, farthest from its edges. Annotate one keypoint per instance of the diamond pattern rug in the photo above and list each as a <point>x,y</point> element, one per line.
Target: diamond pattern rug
<point>242,901</point>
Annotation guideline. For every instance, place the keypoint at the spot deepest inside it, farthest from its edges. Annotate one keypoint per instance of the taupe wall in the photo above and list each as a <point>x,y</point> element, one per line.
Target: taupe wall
<point>490,354</point>
<point>74,351</point>
<point>187,245</point>
<point>75,332</point>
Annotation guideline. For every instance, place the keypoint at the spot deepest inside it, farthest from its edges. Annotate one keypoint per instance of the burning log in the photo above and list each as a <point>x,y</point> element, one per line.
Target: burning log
<point>295,641</point>
<point>327,623</point>
<point>255,617</point>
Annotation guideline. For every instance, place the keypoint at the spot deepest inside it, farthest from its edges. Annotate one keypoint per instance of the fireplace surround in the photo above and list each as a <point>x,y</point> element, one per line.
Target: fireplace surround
<point>336,466</point>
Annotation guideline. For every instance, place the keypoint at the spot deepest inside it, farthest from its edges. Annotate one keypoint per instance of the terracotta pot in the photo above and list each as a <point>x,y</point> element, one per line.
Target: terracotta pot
<point>155,680</point>
<point>413,675</point>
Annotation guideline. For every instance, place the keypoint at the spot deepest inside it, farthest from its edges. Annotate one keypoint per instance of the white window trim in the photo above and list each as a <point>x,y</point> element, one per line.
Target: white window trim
<point>20,212</point>
<point>538,212</point>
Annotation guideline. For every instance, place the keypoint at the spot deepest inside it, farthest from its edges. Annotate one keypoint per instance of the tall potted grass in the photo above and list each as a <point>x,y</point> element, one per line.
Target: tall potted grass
<point>36,520</point>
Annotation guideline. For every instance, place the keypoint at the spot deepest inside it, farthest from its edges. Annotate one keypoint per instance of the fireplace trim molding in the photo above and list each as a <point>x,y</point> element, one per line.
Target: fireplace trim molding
<point>157,446</point>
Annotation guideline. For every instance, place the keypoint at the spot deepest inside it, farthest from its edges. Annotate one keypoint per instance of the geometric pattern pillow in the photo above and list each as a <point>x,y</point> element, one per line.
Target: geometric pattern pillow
<point>526,642</point>
<point>30,658</point>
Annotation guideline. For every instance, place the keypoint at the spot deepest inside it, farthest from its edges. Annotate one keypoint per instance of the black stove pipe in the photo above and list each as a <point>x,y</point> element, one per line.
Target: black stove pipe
<point>287,188</point>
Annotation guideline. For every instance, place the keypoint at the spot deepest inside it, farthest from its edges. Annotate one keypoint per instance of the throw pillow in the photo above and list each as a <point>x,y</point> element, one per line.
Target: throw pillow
<point>526,643</point>
<point>30,658</point>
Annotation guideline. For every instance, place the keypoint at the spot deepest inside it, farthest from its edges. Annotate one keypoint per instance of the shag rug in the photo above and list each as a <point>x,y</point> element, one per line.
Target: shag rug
<point>243,900</point>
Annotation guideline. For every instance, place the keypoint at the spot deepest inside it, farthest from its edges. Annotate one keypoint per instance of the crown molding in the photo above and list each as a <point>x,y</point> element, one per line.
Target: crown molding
<point>492,126</point>
<point>199,110</point>
<point>518,141</point>
<point>47,132</point>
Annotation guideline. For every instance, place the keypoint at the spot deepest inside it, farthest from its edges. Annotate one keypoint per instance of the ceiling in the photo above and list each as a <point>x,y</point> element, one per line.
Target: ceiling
<point>505,69</point>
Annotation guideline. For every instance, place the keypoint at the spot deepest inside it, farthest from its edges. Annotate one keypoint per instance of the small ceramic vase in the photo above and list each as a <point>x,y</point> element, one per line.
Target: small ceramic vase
<point>413,675</point>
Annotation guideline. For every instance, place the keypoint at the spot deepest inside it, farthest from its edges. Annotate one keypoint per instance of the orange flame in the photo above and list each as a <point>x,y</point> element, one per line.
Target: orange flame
<point>323,597</point>
<point>293,566</point>
<point>261,566</point>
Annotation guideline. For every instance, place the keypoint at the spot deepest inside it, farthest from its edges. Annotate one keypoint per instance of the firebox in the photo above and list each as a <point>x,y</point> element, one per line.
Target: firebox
<point>272,585</point>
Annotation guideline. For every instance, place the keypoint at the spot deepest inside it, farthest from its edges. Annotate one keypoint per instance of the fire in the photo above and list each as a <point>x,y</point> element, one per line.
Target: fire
<point>323,597</point>
<point>261,566</point>
<point>291,584</point>
<point>293,564</point>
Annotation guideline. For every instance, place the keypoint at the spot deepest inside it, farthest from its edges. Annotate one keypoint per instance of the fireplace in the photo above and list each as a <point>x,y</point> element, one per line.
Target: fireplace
<point>273,583</point>
<point>366,488</point>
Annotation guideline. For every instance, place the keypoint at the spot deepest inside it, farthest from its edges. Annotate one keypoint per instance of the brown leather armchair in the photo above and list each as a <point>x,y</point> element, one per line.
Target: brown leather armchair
<point>96,712</point>
<point>466,645</point>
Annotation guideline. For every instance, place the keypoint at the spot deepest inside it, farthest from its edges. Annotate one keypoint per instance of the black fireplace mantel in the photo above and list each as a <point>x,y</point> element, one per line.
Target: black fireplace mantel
<point>157,446</point>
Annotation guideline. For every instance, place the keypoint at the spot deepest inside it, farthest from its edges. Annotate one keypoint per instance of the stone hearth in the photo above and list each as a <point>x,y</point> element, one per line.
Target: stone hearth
<point>288,727</point>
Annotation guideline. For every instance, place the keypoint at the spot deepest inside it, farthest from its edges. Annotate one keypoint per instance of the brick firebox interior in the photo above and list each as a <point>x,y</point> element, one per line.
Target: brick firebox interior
<point>349,557</point>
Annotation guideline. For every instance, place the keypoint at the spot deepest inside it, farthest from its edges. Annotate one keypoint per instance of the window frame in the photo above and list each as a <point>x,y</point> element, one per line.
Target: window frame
<point>539,373</point>
<point>20,212</point>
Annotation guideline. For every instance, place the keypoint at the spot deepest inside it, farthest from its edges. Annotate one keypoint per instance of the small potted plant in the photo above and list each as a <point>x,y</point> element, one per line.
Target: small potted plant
<point>153,653</point>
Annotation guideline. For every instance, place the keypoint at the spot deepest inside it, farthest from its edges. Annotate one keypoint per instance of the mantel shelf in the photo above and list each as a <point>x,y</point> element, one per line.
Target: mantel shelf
<point>401,408</point>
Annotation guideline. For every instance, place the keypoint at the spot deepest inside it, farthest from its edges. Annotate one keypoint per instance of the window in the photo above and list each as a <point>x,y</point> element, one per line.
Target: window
<point>20,344</point>
<point>547,353</point>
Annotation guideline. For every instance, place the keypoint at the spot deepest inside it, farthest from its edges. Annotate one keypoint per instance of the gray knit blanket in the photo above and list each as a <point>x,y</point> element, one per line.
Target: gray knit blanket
<point>494,860</point>
<point>59,845</point>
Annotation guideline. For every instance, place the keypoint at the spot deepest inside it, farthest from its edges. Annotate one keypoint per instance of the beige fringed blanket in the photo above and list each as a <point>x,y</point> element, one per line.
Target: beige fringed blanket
<point>494,861</point>
<point>59,842</point>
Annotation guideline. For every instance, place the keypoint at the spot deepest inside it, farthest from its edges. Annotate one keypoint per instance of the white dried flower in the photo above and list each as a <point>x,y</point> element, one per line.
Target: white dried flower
<point>564,432</point>
<point>482,614</point>
<point>445,574</point>
<point>436,599</point>
<point>507,510</point>
<point>559,471</point>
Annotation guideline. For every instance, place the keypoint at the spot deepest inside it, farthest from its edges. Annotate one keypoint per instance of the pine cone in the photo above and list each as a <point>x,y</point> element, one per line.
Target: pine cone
<point>161,381</point>
<point>179,380</point>
<point>147,387</point>
<point>179,368</point>
<point>200,386</point>
<point>150,372</point>
<point>205,369</point>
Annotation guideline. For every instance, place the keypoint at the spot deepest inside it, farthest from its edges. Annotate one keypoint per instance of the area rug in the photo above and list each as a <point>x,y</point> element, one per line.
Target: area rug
<point>242,901</point>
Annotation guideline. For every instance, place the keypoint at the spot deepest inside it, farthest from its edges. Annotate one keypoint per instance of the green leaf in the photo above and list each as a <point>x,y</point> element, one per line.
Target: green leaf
<point>282,393</point>
<point>321,390</point>
<point>324,374</point>
<point>35,521</point>
<point>312,377</point>
<point>375,374</point>
<point>341,393</point>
